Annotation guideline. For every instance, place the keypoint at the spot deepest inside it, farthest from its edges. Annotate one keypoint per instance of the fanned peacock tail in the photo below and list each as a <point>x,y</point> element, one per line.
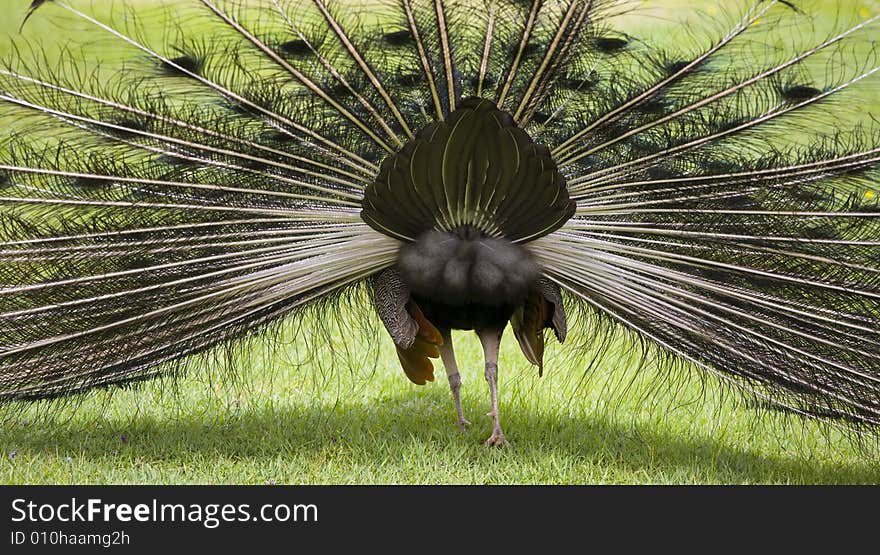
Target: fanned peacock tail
<point>257,157</point>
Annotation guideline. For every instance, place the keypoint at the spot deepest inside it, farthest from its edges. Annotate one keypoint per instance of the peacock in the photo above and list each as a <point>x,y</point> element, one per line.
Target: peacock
<point>468,165</point>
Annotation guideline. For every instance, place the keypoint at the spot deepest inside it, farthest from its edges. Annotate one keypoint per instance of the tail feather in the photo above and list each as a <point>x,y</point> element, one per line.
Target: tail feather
<point>153,231</point>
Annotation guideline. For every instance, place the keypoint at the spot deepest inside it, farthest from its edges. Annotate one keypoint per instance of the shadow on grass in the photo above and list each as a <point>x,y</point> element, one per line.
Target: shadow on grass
<point>366,432</point>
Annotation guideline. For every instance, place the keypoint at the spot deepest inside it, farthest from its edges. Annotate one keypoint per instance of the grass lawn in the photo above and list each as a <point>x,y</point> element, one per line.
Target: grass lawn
<point>280,422</point>
<point>290,414</point>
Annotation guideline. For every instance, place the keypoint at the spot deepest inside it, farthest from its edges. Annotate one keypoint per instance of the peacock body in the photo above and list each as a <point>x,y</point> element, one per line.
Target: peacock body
<point>474,164</point>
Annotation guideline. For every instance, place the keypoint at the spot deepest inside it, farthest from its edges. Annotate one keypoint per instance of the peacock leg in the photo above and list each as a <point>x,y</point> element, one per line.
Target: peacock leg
<point>447,354</point>
<point>491,340</point>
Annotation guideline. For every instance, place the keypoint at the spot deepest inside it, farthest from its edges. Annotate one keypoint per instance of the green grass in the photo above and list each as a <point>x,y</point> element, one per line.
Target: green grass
<point>363,423</point>
<point>292,415</point>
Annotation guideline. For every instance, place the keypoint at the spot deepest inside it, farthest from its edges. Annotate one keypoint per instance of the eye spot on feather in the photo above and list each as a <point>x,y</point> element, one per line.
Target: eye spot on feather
<point>653,106</point>
<point>295,48</point>
<point>541,117</point>
<point>800,93</point>
<point>409,79</point>
<point>821,231</point>
<point>675,67</point>
<point>251,164</point>
<point>659,172</point>
<point>339,90</point>
<point>182,66</point>
<point>398,38</point>
<point>134,124</point>
<point>732,123</point>
<point>488,81</point>
<point>89,183</point>
<point>276,136</point>
<point>809,196</point>
<point>644,145</point>
<point>529,50</point>
<point>242,109</point>
<point>138,262</point>
<point>579,83</point>
<point>127,127</point>
<point>610,45</point>
<point>179,161</point>
<point>716,166</point>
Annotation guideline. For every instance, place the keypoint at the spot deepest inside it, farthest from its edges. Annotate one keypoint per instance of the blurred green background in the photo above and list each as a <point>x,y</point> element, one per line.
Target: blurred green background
<point>286,413</point>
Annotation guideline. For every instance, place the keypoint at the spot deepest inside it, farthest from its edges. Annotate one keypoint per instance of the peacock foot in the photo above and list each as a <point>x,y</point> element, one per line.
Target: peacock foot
<point>496,439</point>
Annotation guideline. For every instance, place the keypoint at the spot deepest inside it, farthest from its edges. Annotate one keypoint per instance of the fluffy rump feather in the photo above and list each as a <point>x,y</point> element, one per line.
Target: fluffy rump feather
<point>467,268</point>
